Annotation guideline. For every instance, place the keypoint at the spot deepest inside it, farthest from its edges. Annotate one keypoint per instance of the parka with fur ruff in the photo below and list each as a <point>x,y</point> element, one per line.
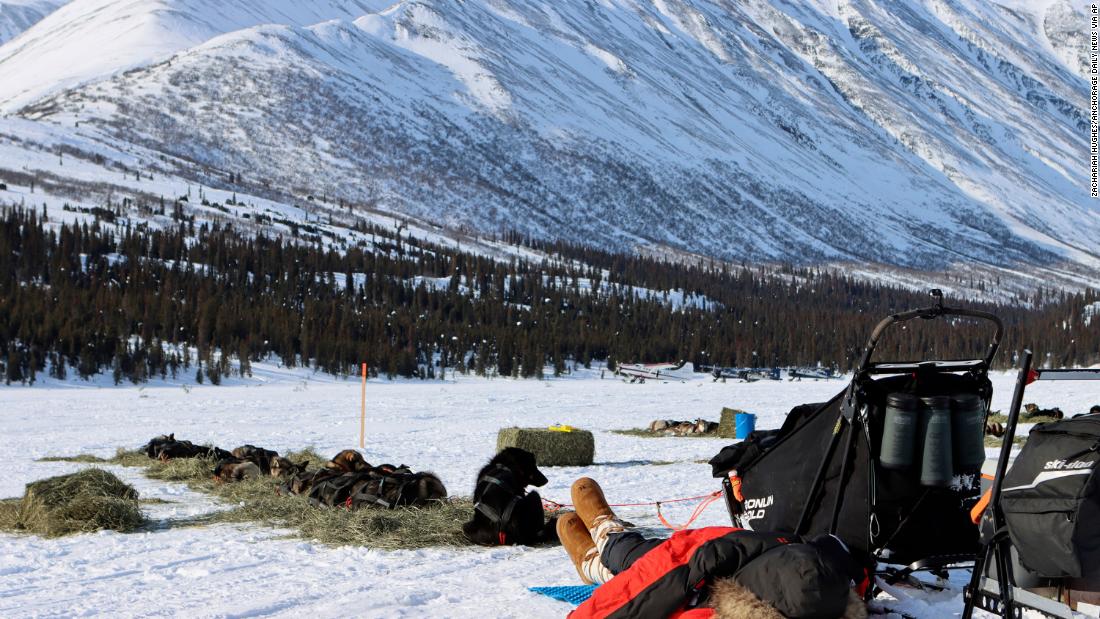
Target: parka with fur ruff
<point>732,601</point>
<point>691,576</point>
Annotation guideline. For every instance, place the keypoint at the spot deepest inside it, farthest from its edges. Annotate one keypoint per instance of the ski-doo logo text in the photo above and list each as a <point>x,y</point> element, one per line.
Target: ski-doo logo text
<point>1062,465</point>
<point>756,508</point>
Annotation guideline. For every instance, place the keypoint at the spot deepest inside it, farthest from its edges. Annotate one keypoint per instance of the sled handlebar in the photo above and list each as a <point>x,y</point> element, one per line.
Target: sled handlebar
<point>930,313</point>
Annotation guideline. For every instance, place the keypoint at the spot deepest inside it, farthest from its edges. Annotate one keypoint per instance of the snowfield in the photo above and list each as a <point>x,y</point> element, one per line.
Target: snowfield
<point>448,427</point>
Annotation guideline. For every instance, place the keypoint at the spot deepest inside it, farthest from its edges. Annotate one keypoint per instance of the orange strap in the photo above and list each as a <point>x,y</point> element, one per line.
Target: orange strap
<point>735,483</point>
<point>694,514</point>
<point>707,499</point>
<point>979,508</point>
<point>554,506</point>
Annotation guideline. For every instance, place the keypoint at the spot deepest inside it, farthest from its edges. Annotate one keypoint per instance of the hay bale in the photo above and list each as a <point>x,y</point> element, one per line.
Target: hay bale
<point>727,424</point>
<point>9,514</point>
<point>551,447</point>
<point>89,500</point>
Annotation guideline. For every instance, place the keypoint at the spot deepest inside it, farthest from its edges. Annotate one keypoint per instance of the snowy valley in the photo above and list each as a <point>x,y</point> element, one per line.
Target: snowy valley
<point>213,213</point>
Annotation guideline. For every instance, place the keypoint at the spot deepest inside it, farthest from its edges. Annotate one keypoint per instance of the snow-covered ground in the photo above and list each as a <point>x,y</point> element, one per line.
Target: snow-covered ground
<point>448,427</point>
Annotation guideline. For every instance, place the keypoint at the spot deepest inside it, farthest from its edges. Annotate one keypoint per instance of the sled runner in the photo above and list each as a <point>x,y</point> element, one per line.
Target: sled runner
<point>1040,524</point>
<point>876,465</point>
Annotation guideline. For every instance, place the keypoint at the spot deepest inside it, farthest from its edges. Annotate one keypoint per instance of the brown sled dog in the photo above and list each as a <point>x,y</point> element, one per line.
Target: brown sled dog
<point>156,444</point>
<point>301,482</point>
<point>283,467</point>
<point>304,481</point>
<point>376,488</point>
<point>234,469</point>
<point>389,489</point>
<point>348,461</point>
<point>167,447</point>
<point>257,455</point>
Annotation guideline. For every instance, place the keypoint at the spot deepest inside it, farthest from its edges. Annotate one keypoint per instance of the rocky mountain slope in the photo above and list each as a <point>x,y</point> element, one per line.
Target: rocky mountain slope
<point>17,16</point>
<point>920,134</point>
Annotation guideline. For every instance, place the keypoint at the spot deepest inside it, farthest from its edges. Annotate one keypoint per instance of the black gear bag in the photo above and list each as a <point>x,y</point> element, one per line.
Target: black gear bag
<point>1039,519</point>
<point>1051,499</point>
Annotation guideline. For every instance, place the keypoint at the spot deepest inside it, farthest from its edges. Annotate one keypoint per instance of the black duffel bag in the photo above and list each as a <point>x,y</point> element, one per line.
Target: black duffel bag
<point>1051,499</point>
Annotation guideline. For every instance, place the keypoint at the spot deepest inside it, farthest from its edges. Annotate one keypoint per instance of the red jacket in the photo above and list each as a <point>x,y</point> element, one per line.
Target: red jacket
<point>674,575</point>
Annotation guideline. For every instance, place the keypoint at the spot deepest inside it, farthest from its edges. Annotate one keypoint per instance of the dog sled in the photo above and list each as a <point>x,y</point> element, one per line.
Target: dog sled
<point>856,466</point>
<point>1039,530</point>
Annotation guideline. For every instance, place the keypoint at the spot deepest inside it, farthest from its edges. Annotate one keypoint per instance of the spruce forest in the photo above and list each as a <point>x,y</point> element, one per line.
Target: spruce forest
<point>206,301</point>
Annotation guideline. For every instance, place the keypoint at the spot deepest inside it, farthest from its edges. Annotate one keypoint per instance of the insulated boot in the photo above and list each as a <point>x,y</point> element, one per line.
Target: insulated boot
<point>590,503</point>
<point>576,541</point>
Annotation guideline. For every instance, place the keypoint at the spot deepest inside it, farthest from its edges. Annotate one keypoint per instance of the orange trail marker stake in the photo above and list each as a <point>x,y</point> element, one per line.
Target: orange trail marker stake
<point>363,413</point>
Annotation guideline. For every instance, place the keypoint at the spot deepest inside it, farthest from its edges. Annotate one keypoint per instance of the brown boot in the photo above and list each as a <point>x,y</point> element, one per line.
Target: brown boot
<point>576,541</point>
<point>589,501</point>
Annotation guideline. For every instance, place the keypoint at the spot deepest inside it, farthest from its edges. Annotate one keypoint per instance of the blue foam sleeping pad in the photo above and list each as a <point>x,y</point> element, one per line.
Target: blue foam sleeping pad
<point>574,594</point>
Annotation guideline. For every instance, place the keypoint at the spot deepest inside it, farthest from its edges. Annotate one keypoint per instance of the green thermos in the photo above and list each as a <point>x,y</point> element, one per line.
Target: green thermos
<point>936,468</point>
<point>899,431</point>
<point>968,432</point>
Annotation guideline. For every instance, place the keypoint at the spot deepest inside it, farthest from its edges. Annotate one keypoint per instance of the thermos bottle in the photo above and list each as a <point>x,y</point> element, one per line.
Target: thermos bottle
<point>899,431</point>
<point>968,432</point>
<point>935,429</point>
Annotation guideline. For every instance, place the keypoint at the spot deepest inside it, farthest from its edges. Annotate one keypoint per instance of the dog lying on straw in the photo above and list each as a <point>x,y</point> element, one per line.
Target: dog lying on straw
<point>348,480</point>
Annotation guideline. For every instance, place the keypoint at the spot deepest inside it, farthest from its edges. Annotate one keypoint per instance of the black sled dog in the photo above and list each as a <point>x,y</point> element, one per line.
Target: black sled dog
<point>505,513</point>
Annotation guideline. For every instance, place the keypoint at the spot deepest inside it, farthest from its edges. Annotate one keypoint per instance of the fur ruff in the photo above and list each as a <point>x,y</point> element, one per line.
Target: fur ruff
<point>732,601</point>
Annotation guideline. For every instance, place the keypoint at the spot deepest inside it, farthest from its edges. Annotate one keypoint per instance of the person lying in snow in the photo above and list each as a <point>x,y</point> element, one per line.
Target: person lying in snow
<point>712,572</point>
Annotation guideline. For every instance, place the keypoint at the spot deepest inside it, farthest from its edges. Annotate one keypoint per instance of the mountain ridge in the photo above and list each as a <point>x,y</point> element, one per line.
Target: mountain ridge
<point>17,17</point>
<point>919,136</point>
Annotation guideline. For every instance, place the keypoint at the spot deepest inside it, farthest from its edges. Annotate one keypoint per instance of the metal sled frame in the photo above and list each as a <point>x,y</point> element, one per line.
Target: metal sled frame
<point>866,368</point>
<point>850,416</point>
<point>1001,595</point>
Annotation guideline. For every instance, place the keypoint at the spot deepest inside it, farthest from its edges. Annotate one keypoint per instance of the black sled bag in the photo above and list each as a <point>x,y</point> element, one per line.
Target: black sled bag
<point>1051,499</point>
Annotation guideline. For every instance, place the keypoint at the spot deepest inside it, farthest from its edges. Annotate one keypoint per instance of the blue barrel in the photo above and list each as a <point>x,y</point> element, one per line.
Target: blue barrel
<point>744,424</point>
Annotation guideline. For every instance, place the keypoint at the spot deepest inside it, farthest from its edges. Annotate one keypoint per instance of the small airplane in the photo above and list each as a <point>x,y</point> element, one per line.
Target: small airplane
<point>640,372</point>
<point>814,373</point>
<point>749,375</point>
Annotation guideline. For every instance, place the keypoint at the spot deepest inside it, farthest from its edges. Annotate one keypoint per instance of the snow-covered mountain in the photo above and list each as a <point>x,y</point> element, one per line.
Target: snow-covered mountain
<point>89,39</point>
<point>918,133</point>
<point>19,15</point>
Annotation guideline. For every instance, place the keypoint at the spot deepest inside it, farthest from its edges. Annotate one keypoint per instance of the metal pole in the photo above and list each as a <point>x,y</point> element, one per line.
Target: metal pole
<point>363,412</point>
<point>999,548</point>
